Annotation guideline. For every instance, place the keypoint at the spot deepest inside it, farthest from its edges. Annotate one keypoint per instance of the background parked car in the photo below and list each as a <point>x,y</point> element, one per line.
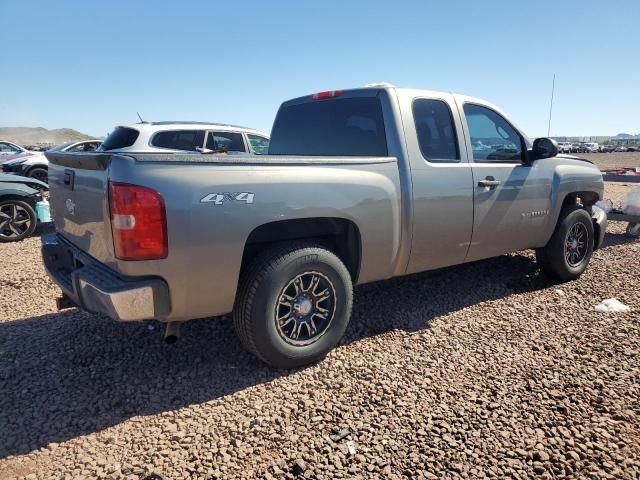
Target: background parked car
<point>178,137</point>
<point>564,147</point>
<point>591,147</point>
<point>37,166</point>
<point>18,199</point>
<point>608,148</point>
<point>11,151</point>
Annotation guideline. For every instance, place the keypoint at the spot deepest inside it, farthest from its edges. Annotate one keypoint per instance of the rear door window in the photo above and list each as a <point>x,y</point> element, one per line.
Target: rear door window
<point>259,145</point>
<point>225,141</point>
<point>338,127</point>
<point>121,137</point>
<point>187,140</point>
<point>436,131</point>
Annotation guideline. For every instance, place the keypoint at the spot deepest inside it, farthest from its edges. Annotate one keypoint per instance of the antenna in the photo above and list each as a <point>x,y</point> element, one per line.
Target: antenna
<point>553,86</point>
<point>141,120</point>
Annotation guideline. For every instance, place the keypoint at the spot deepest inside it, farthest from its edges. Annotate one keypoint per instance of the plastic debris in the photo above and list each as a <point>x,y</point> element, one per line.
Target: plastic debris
<point>612,305</point>
<point>559,292</point>
<point>606,205</point>
<point>351,447</point>
<point>336,437</point>
<point>631,202</point>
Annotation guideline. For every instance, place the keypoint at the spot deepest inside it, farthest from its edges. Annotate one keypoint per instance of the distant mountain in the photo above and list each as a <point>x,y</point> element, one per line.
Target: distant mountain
<point>31,136</point>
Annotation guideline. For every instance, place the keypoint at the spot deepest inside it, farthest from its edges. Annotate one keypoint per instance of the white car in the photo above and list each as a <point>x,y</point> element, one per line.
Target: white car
<point>10,151</point>
<point>37,166</point>
<point>592,147</point>
<point>180,137</point>
<point>564,147</point>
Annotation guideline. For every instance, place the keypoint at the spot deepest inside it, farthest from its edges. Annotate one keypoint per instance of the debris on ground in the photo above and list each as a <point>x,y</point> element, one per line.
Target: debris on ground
<point>351,448</point>
<point>631,202</point>
<point>606,205</point>
<point>612,305</point>
<point>336,437</point>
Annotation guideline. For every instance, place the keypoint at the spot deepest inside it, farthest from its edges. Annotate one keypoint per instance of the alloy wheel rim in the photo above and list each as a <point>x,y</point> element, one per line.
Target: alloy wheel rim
<point>14,220</point>
<point>305,309</point>
<point>575,244</point>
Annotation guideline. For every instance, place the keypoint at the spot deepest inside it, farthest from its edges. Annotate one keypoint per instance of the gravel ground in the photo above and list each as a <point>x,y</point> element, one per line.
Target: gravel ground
<point>608,161</point>
<point>483,370</point>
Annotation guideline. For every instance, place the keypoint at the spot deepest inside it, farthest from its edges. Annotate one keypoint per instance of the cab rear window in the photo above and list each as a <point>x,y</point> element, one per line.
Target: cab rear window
<point>121,137</point>
<point>341,127</point>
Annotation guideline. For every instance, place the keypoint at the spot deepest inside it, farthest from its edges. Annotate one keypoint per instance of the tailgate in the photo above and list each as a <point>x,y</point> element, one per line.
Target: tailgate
<point>78,183</point>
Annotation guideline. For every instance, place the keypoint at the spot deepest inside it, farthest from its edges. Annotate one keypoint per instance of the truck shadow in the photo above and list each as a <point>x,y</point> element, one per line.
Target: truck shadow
<point>64,375</point>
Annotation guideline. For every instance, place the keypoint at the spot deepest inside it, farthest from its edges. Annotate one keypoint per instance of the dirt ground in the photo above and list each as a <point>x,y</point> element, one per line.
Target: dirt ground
<point>488,370</point>
<point>608,161</point>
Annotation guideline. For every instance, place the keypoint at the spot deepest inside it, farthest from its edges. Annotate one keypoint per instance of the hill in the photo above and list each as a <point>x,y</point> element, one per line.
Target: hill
<point>31,136</point>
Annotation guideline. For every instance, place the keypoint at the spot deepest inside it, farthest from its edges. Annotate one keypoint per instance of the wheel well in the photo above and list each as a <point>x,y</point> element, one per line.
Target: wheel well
<point>586,199</point>
<point>13,196</point>
<point>340,236</point>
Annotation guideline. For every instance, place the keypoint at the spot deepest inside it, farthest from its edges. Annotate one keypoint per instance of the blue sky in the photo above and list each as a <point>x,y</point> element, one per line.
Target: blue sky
<point>90,65</point>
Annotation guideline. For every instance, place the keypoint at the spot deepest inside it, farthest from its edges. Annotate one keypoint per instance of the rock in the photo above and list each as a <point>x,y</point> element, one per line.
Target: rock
<point>299,467</point>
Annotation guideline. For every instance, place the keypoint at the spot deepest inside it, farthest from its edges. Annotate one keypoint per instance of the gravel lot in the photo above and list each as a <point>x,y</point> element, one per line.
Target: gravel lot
<point>484,370</point>
<point>608,161</point>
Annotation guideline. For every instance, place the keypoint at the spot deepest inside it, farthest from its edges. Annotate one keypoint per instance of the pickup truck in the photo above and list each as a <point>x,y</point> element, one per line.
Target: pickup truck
<point>358,185</point>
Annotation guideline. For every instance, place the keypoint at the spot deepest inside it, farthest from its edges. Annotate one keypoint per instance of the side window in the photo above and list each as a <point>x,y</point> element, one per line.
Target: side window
<point>91,147</point>
<point>492,138</point>
<point>189,140</point>
<point>436,131</point>
<point>6,148</point>
<point>225,141</point>
<point>259,145</point>
<point>77,148</point>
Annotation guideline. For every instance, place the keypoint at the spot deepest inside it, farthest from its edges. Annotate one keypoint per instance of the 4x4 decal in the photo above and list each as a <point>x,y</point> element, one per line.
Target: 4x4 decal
<point>220,198</point>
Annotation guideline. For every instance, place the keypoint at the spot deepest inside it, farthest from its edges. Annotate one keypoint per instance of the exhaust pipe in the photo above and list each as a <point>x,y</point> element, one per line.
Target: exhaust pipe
<point>172,333</point>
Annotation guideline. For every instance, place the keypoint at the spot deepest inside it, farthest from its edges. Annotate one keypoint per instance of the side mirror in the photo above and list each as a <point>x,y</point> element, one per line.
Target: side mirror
<point>544,148</point>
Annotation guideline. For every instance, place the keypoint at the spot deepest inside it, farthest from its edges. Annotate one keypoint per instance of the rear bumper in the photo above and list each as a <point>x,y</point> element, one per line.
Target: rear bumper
<point>94,287</point>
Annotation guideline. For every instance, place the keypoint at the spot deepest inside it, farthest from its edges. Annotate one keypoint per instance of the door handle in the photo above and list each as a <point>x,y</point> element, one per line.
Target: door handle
<point>489,182</point>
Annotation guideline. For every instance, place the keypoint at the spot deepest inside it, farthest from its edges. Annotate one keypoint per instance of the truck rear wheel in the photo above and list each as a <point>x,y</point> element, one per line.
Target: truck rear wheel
<point>567,254</point>
<point>293,305</point>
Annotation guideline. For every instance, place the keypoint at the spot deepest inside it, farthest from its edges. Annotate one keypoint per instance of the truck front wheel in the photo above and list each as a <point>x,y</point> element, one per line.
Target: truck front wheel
<point>567,254</point>
<point>293,305</point>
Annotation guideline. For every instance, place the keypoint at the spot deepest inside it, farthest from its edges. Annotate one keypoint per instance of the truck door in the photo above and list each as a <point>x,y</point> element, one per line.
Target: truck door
<point>442,182</point>
<point>511,198</point>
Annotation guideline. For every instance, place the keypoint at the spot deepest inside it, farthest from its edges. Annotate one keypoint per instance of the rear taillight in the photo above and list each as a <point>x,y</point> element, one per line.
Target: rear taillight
<point>138,222</point>
<point>326,95</point>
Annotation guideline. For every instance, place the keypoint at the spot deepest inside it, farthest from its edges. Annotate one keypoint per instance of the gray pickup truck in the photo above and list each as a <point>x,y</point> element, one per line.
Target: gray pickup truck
<point>359,185</point>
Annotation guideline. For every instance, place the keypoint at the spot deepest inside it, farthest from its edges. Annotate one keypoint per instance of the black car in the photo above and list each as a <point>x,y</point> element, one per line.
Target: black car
<point>18,199</point>
<point>608,148</point>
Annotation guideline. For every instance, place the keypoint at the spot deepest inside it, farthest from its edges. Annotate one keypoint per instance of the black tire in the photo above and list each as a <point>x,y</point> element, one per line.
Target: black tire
<point>39,173</point>
<point>19,225</point>
<point>562,257</point>
<point>633,230</point>
<point>262,298</point>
